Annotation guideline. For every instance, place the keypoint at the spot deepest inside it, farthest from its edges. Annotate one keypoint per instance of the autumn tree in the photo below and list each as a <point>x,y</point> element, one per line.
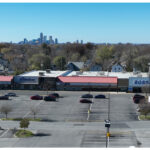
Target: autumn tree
<point>60,62</point>
<point>40,61</point>
<point>24,123</point>
<point>103,56</point>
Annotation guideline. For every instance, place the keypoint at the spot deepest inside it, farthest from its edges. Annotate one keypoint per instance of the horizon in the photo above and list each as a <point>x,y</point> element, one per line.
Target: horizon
<point>69,22</point>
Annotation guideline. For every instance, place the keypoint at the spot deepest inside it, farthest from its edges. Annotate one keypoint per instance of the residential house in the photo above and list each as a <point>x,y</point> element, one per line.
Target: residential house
<point>117,68</point>
<point>75,66</point>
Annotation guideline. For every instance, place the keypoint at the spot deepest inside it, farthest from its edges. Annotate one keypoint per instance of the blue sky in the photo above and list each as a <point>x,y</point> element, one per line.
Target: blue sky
<point>90,22</point>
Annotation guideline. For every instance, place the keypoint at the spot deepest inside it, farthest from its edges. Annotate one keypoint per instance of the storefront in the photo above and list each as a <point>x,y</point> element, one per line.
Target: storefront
<point>84,83</point>
<point>137,84</point>
<point>26,82</point>
<point>6,82</point>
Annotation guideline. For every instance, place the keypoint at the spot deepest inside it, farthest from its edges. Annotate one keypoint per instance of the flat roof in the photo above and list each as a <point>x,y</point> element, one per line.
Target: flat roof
<point>6,78</point>
<point>46,74</point>
<point>120,75</point>
<point>87,79</point>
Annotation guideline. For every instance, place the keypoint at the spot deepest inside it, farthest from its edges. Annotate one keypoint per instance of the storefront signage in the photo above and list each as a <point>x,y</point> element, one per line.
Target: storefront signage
<point>139,81</point>
<point>26,80</point>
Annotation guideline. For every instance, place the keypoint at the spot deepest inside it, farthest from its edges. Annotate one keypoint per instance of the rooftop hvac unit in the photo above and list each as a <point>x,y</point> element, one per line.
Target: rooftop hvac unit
<point>123,71</point>
<point>41,73</point>
<point>48,71</point>
<point>139,75</point>
<point>78,72</point>
<point>136,72</point>
<point>102,73</point>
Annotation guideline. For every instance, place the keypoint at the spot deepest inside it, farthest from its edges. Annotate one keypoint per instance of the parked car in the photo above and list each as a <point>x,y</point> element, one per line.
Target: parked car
<point>4,97</point>
<point>87,96</point>
<point>49,98</point>
<point>100,96</point>
<point>11,94</point>
<point>137,98</point>
<point>55,94</point>
<point>85,101</point>
<point>36,97</point>
<point>52,96</point>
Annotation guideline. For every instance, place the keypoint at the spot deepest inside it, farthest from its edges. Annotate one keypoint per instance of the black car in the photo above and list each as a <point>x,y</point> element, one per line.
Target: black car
<point>137,98</point>
<point>11,94</point>
<point>49,98</point>
<point>100,96</point>
<point>87,96</point>
<point>55,94</point>
<point>85,101</point>
<point>4,98</point>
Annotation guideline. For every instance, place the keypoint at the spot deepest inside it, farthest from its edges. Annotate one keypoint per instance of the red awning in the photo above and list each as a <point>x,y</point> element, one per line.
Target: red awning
<point>85,79</point>
<point>6,78</point>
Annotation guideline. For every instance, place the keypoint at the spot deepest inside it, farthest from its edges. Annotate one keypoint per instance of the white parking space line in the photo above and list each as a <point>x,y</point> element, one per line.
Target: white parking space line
<point>30,111</point>
<point>4,133</point>
<point>89,110</point>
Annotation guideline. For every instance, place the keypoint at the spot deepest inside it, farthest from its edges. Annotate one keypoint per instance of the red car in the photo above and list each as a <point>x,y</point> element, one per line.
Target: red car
<point>36,97</point>
<point>85,101</point>
<point>137,98</point>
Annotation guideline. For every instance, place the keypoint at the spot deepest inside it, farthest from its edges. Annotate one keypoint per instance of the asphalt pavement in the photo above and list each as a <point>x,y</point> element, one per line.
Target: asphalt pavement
<point>68,123</point>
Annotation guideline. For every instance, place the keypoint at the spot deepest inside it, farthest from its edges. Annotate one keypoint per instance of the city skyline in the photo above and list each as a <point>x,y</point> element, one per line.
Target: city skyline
<point>69,22</point>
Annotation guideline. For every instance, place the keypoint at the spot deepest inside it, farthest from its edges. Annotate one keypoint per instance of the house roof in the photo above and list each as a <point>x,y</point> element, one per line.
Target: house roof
<point>88,79</point>
<point>80,65</point>
<point>6,78</point>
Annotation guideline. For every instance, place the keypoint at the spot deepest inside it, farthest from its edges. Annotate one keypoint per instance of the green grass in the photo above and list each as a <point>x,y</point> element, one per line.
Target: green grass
<point>142,117</point>
<point>24,133</point>
<point>19,119</point>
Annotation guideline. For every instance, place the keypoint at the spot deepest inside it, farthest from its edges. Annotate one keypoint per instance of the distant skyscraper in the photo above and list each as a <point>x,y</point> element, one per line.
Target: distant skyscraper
<point>41,37</point>
<point>77,41</point>
<point>25,41</point>
<point>45,39</point>
<point>56,41</point>
<point>51,41</point>
<point>81,41</point>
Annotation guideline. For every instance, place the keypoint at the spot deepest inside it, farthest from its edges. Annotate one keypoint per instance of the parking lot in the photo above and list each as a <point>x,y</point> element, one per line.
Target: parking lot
<point>68,107</point>
<point>67,123</point>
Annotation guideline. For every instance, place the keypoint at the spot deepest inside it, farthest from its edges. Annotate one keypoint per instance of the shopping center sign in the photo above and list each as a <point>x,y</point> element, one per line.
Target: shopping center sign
<point>139,81</point>
<point>26,80</point>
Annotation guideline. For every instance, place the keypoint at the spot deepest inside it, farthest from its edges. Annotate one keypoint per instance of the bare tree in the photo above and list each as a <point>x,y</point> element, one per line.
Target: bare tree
<point>144,108</point>
<point>5,109</point>
<point>145,89</point>
<point>34,111</point>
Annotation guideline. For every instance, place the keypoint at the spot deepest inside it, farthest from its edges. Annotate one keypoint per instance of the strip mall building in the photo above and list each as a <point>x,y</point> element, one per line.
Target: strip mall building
<point>76,83</point>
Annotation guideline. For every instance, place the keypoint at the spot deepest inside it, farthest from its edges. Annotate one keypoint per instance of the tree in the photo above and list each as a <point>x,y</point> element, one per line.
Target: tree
<point>104,55</point>
<point>46,49</point>
<point>34,111</point>
<point>5,109</point>
<point>75,57</point>
<point>40,61</point>
<point>24,123</point>
<point>60,62</point>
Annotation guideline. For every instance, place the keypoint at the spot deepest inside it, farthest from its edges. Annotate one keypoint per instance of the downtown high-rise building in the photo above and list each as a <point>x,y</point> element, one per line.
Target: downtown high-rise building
<point>45,39</point>
<point>41,38</point>
<point>51,41</point>
<point>56,41</point>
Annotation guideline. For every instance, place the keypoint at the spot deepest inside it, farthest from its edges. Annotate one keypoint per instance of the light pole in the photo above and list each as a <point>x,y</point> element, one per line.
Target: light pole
<point>149,80</point>
<point>107,122</point>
